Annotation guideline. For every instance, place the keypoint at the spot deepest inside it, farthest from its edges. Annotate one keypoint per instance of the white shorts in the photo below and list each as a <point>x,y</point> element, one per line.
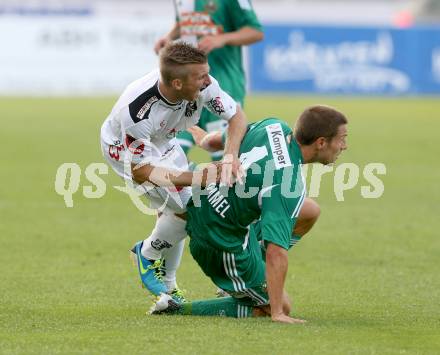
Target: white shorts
<point>164,199</point>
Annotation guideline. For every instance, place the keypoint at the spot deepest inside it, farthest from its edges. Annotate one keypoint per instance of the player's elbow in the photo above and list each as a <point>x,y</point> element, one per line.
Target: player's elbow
<point>312,209</point>
<point>137,176</point>
<point>140,174</point>
<point>259,36</point>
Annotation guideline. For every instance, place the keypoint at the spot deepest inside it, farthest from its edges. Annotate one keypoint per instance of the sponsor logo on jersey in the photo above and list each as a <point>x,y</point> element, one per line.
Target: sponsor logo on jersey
<point>160,244</point>
<point>190,108</point>
<point>216,105</point>
<point>198,23</point>
<point>146,107</point>
<point>278,146</point>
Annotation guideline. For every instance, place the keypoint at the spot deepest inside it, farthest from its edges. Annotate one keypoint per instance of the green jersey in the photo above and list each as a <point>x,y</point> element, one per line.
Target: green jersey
<point>199,18</point>
<point>272,193</point>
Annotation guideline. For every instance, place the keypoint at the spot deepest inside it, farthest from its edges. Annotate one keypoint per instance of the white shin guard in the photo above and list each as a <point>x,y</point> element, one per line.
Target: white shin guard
<point>168,231</point>
<point>172,258</point>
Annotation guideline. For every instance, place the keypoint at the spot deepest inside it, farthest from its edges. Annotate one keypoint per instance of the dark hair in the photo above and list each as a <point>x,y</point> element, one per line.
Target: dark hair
<point>318,121</point>
<point>173,58</point>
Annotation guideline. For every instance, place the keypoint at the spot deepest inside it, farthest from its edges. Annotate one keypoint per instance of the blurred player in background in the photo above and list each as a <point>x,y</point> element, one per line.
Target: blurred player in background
<point>138,141</point>
<point>220,28</point>
<point>225,241</point>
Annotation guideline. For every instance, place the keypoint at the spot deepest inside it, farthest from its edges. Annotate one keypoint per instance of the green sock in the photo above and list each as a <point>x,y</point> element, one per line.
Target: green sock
<point>224,306</point>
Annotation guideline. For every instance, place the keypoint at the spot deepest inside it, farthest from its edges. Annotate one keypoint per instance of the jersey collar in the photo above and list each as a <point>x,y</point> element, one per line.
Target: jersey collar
<point>295,150</point>
<point>161,97</point>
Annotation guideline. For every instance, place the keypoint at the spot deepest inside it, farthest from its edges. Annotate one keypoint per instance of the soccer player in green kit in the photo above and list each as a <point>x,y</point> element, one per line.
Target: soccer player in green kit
<point>226,224</point>
<point>219,28</point>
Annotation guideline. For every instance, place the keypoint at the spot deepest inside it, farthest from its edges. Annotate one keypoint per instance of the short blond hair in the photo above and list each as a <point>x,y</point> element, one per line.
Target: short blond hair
<point>175,56</point>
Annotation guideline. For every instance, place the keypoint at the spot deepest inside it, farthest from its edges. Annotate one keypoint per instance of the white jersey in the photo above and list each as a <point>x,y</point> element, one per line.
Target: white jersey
<point>146,123</point>
<point>144,115</point>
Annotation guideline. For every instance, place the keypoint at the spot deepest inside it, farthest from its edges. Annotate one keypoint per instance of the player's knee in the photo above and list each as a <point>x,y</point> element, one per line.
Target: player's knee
<point>310,210</point>
<point>315,210</point>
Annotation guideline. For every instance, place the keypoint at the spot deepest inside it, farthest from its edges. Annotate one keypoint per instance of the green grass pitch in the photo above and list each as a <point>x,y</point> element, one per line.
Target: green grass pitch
<point>366,278</point>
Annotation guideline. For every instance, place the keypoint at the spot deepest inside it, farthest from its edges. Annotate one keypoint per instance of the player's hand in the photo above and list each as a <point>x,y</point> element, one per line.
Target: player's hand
<point>211,173</point>
<point>282,318</point>
<point>209,43</point>
<point>162,42</point>
<point>198,134</point>
<point>211,142</point>
<point>231,170</point>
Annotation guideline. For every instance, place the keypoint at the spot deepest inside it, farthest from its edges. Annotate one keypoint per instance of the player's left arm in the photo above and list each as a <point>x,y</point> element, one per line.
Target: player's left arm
<point>211,142</point>
<point>276,270</point>
<point>231,164</point>
<point>245,28</point>
<point>244,36</point>
<point>223,106</point>
<point>276,224</point>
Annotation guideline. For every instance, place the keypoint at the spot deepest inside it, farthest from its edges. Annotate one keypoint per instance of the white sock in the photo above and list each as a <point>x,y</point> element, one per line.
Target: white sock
<point>172,258</point>
<point>168,231</point>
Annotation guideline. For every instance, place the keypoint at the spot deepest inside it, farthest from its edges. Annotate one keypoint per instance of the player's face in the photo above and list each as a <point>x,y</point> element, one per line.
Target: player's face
<point>197,79</point>
<point>334,146</point>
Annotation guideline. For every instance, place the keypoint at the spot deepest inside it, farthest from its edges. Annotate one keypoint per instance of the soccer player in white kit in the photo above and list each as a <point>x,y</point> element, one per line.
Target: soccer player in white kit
<point>138,141</point>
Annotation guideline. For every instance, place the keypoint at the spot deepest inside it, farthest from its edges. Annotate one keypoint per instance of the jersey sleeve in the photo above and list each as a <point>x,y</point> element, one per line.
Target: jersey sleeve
<point>138,142</point>
<point>243,14</point>
<point>218,102</point>
<point>279,213</point>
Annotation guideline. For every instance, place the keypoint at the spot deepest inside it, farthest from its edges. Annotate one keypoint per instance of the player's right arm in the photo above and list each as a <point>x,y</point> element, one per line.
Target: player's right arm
<point>276,270</point>
<point>144,170</point>
<point>140,152</point>
<point>166,177</point>
<point>276,224</point>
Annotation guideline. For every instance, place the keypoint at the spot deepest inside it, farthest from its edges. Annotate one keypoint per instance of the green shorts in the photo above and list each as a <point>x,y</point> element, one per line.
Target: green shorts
<point>241,274</point>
